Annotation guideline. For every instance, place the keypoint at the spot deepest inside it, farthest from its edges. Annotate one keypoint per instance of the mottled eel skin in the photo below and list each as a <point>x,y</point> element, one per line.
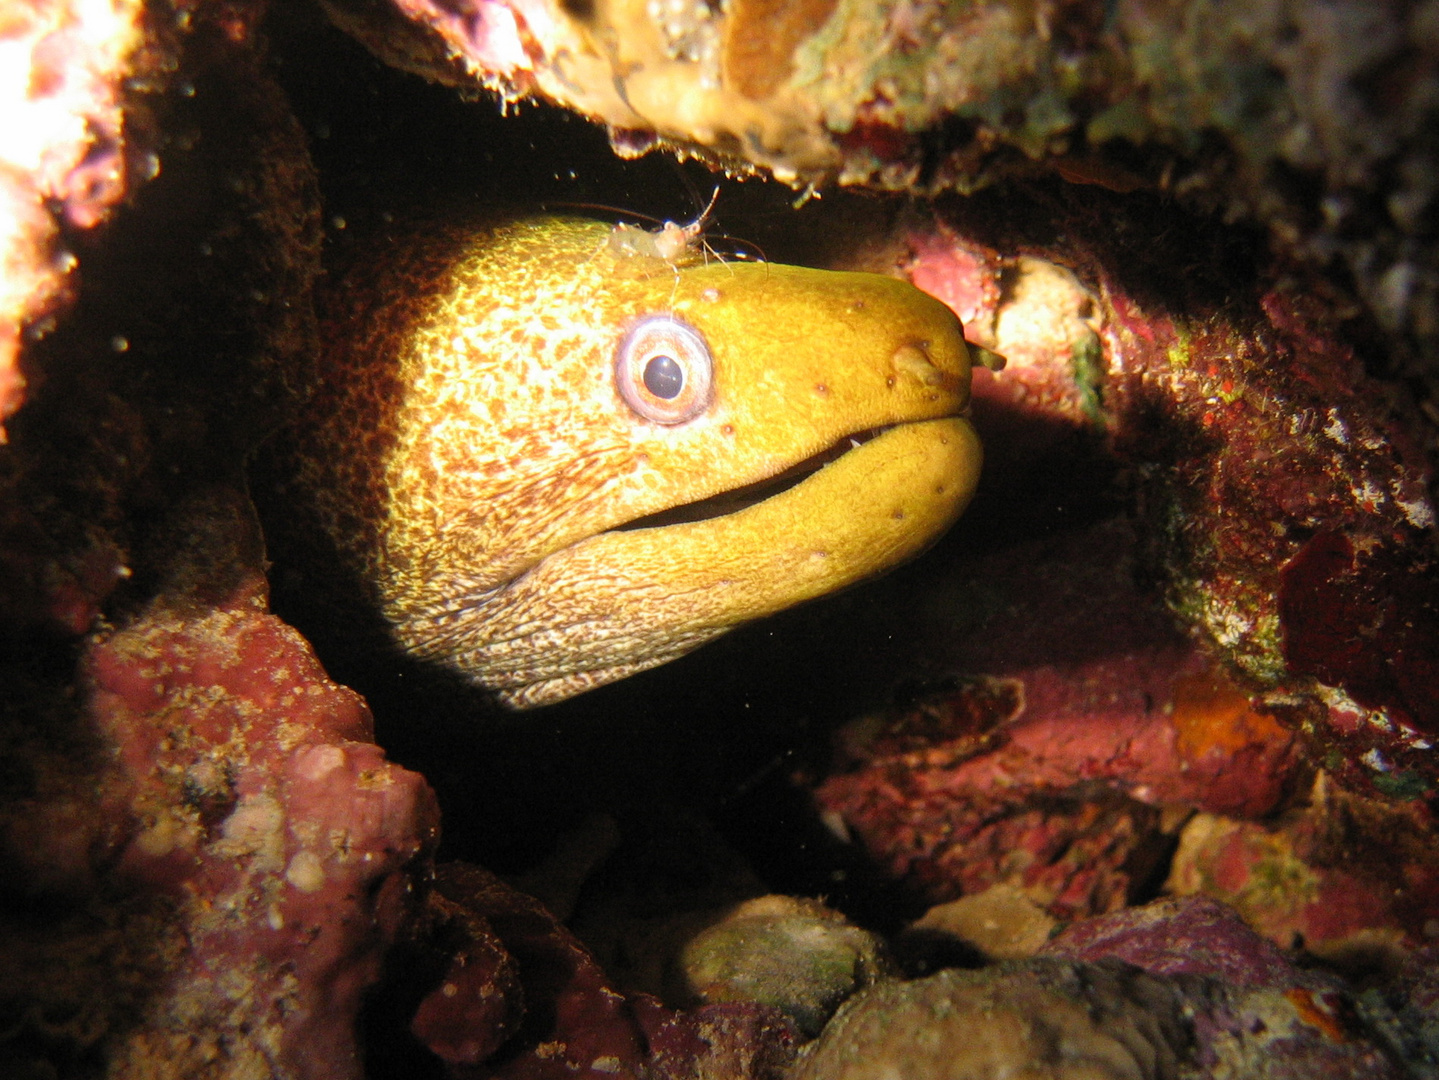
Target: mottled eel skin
<point>506,413</point>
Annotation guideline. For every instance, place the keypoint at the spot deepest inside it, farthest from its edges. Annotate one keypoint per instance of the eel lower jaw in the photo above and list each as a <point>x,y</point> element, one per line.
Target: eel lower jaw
<point>625,600</point>
<point>734,500</point>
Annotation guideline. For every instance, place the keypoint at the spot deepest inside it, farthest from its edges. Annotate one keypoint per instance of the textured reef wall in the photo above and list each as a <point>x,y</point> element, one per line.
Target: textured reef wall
<point>204,854</point>
<point>1191,653</point>
<point>64,144</point>
<point>1317,120</point>
<point>1185,643</point>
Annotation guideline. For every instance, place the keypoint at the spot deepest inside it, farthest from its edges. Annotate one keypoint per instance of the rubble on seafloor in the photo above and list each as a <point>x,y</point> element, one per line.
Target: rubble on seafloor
<point>514,975</point>
<point>1179,989</point>
<point>1185,643</point>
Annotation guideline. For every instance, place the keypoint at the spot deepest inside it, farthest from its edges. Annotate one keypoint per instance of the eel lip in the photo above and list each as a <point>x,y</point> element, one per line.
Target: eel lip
<point>734,500</point>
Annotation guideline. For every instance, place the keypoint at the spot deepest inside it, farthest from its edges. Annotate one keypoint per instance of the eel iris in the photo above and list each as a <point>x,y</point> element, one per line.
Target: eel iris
<point>554,467</point>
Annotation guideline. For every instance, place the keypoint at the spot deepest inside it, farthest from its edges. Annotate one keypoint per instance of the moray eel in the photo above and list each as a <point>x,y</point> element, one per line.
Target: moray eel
<point>553,467</point>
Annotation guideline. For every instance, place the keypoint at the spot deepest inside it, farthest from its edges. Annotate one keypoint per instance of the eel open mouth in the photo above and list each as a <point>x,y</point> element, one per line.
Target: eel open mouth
<point>734,500</point>
<point>725,560</point>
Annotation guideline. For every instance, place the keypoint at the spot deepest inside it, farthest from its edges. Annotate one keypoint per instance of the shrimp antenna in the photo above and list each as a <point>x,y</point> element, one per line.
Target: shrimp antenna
<point>709,207</point>
<point>605,207</point>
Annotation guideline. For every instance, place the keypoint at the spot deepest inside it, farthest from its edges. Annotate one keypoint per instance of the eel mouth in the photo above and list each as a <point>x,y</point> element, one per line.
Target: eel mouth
<point>724,503</point>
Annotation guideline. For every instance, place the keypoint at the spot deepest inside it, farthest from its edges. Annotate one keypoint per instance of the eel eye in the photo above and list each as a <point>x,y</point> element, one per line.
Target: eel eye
<point>664,370</point>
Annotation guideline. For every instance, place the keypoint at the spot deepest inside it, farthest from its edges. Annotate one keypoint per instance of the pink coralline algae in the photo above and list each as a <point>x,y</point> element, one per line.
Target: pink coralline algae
<point>1254,1013</point>
<point>1050,772</point>
<point>1318,878</point>
<point>245,785</point>
<point>1254,603</point>
<point>1282,495</point>
<point>1193,935</point>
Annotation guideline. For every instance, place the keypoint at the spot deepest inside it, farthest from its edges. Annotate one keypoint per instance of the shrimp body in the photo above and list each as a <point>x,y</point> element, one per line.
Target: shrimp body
<point>672,243</point>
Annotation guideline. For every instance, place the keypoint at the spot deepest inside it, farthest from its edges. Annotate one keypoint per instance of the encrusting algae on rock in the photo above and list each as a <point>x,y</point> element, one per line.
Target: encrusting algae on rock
<point>552,467</point>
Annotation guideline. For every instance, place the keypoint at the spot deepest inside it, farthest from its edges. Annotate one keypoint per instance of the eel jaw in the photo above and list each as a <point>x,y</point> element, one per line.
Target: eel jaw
<point>633,598</point>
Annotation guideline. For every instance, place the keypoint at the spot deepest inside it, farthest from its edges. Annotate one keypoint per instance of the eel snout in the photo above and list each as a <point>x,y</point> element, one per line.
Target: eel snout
<point>841,441</point>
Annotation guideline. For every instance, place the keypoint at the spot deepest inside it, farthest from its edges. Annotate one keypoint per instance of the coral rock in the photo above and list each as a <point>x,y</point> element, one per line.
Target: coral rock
<point>1088,687</point>
<point>795,955</point>
<point>1353,880</point>
<point>1283,494</point>
<point>1001,922</point>
<point>65,146</point>
<point>1039,1020</point>
<point>254,796</point>
<point>1313,118</point>
<point>1061,1019</point>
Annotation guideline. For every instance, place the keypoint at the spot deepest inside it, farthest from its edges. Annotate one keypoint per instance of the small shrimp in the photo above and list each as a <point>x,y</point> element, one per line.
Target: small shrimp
<point>673,243</point>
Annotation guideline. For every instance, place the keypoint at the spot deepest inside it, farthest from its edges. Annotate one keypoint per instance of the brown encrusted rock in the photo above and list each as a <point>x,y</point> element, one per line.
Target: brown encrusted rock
<point>480,999</point>
<point>793,954</point>
<point>1277,497</point>
<point>1034,1020</point>
<point>1049,1019</point>
<point>1282,494</point>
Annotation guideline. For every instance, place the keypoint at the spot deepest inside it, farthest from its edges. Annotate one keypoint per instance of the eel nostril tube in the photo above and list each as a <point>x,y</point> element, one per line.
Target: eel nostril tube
<point>911,359</point>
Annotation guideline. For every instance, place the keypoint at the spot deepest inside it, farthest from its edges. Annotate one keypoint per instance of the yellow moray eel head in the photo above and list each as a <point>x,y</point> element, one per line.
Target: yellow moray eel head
<point>555,467</point>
